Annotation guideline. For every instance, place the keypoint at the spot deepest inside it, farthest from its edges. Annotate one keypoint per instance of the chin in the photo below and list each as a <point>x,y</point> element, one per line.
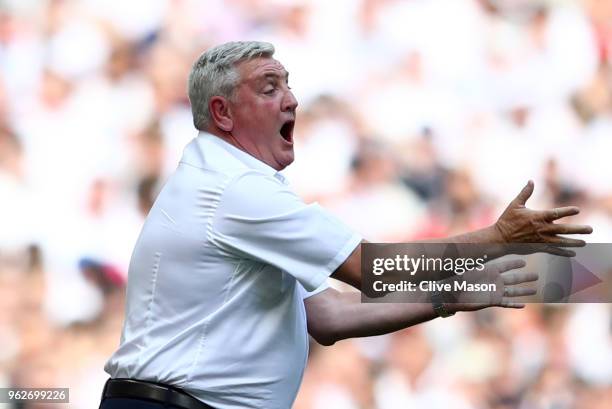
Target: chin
<point>286,161</point>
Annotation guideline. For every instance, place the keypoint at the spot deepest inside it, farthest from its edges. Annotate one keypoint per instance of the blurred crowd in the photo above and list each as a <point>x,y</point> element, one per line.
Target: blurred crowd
<point>417,119</point>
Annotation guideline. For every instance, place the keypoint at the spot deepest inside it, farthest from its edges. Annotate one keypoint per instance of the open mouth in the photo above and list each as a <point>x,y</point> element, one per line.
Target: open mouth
<point>286,130</point>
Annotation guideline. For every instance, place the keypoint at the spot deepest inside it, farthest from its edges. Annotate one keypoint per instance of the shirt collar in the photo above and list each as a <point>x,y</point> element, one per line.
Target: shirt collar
<point>210,151</point>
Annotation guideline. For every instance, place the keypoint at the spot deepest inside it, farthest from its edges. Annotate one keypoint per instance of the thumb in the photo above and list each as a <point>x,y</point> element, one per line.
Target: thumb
<point>525,194</point>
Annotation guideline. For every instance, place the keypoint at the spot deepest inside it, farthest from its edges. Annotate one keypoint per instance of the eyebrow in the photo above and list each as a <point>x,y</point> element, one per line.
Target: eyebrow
<point>276,76</point>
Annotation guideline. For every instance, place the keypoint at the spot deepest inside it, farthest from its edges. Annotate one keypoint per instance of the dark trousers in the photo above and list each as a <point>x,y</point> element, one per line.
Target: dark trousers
<point>120,403</point>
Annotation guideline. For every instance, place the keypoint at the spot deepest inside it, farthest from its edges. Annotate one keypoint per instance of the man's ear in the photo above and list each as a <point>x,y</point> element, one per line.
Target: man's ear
<point>219,111</point>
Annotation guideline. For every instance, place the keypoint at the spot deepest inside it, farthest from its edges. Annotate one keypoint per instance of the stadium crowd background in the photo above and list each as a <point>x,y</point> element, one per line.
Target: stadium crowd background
<point>417,118</point>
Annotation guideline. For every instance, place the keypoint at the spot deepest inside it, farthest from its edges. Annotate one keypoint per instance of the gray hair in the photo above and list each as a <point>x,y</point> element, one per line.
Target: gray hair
<point>214,73</point>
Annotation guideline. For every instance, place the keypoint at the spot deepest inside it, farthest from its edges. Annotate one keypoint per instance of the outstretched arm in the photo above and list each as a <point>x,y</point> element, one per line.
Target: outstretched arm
<point>334,315</point>
<point>517,224</point>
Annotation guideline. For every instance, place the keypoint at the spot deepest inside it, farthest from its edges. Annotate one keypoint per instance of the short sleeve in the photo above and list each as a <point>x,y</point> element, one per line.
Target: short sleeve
<point>259,217</point>
<point>319,289</point>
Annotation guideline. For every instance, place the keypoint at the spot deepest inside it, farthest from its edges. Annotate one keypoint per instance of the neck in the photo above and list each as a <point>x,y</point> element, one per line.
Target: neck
<point>228,137</point>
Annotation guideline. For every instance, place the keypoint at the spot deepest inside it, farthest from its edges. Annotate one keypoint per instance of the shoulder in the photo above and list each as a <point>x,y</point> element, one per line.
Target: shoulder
<point>260,191</point>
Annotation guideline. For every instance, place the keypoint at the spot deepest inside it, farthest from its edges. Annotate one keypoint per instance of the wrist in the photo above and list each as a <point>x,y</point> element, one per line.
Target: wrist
<point>497,234</point>
<point>440,306</point>
<point>452,308</point>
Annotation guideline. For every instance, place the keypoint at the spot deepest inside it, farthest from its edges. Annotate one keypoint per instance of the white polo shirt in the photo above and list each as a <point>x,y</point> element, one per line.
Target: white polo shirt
<point>217,280</point>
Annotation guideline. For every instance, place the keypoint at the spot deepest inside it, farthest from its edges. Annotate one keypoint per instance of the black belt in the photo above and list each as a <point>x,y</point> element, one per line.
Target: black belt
<point>169,395</point>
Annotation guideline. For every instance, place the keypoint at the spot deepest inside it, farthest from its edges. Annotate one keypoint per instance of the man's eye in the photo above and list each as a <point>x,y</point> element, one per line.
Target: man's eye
<point>270,91</point>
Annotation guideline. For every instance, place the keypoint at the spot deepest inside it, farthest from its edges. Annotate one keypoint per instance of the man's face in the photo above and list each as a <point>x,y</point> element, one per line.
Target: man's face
<point>263,112</point>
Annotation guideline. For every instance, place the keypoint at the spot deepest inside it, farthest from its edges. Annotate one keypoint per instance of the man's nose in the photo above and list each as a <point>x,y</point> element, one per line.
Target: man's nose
<point>289,102</point>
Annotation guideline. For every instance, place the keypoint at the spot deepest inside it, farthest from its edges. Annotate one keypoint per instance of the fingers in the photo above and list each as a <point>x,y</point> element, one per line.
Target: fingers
<point>566,242</point>
<point>518,277</point>
<point>560,212</point>
<point>511,304</point>
<point>525,194</point>
<point>508,265</point>
<point>568,229</point>
<point>519,291</point>
<point>554,249</point>
<point>557,251</point>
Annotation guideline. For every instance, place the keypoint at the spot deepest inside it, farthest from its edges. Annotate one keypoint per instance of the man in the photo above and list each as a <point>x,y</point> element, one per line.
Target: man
<point>229,271</point>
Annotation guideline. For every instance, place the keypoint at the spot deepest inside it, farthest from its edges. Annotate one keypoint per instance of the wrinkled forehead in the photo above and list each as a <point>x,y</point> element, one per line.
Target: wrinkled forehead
<point>258,68</point>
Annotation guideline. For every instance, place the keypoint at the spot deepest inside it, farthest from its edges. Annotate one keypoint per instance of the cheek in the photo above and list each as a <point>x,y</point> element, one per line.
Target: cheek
<point>265,109</point>
<point>246,117</point>
<point>257,114</point>
<point>264,116</point>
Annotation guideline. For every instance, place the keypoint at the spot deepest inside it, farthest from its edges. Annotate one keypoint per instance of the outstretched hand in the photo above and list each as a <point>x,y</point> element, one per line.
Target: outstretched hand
<point>518,224</point>
<point>508,285</point>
